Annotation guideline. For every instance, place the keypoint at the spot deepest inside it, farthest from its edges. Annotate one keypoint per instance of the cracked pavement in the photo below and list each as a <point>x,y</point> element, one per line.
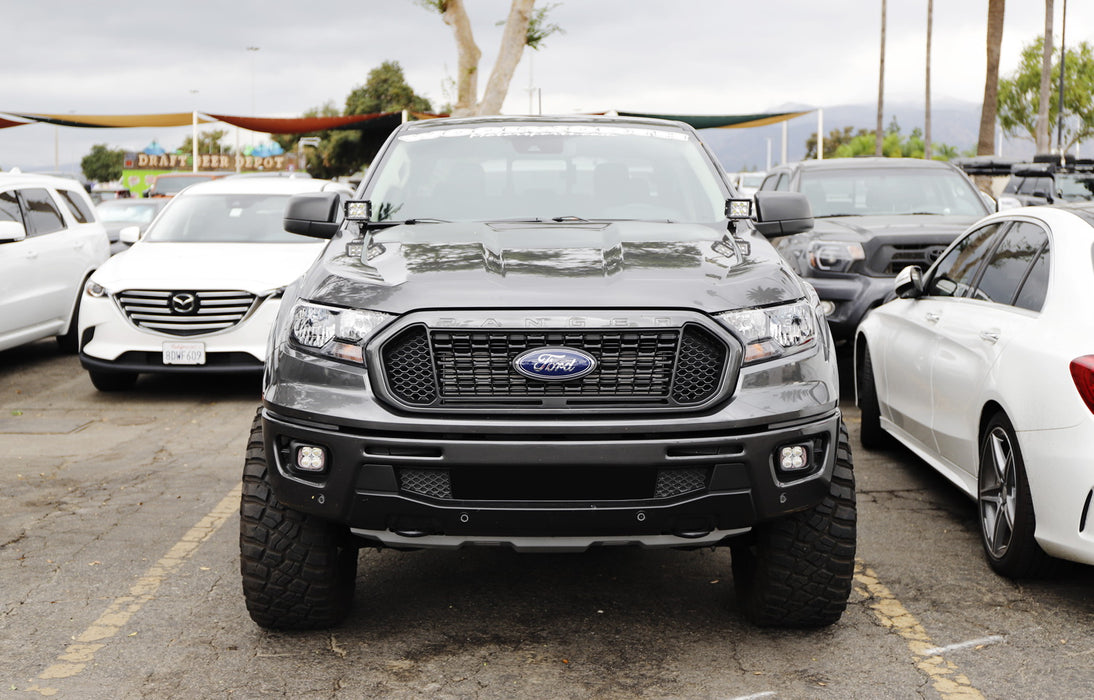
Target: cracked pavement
<point>97,489</point>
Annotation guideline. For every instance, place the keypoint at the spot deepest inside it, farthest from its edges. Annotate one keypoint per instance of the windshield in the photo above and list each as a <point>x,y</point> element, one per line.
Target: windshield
<point>175,183</point>
<point>1076,187</point>
<point>119,211</point>
<point>529,172</point>
<point>224,218</point>
<point>879,191</point>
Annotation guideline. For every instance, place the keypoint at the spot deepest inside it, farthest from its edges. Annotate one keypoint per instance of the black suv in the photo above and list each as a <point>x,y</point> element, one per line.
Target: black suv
<point>1048,181</point>
<point>874,216</point>
<point>551,335</point>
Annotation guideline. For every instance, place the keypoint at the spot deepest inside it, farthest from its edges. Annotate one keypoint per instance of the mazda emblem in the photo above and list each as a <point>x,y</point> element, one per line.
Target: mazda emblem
<point>183,303</point>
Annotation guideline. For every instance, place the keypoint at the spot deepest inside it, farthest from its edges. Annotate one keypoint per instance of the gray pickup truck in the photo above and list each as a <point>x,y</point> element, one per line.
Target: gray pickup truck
<point>549,334</point>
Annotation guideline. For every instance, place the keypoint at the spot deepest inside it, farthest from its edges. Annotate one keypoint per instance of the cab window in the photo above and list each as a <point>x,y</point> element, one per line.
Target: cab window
<point>955,273</point>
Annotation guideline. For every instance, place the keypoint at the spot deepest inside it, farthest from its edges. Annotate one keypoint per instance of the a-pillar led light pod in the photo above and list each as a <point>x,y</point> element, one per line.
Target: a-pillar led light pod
<point>359,210</point>
<point>738,208</point>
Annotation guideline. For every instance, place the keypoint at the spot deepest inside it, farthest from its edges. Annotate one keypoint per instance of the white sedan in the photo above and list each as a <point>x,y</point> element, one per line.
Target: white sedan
<point>200,290</point>
<point>984,367</point>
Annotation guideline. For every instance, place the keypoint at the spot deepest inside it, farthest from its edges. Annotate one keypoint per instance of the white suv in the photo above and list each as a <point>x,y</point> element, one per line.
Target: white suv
<point>50,242</point>
<point>200,290</point>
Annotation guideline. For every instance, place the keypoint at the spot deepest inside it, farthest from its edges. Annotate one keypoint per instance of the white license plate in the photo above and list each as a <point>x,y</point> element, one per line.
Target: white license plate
<point>184,353</point>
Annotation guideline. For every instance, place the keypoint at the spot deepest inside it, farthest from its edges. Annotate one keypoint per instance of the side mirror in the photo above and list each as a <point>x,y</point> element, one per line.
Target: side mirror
<point>314,214</point>
<point>782,213</point>
<point>129,235</point>
<point>908,283</point>
<point>12,231</point>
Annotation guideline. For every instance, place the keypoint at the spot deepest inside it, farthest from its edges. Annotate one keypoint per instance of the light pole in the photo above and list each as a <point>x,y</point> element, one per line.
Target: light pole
<point>252,50</point>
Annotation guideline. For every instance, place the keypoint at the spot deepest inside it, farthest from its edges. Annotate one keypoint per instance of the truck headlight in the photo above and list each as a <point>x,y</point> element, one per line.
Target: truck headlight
<point>774,331</point>
<point>337,333</point>
<point>834,256</point>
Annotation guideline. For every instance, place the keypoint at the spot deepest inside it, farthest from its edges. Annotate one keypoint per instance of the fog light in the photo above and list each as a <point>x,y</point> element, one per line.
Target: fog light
<point>793,458</point>
<point>310,458</point>
<point>828,307</point>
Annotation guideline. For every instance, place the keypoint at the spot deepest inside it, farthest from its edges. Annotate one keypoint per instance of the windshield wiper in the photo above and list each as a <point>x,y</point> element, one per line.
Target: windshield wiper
<point>560,219</point>
<point>425,220</point>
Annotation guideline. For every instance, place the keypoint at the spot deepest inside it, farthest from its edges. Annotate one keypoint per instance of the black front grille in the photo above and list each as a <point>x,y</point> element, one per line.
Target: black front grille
<point>890,259</point>
<point>672,367</point>
<point>586,483</point>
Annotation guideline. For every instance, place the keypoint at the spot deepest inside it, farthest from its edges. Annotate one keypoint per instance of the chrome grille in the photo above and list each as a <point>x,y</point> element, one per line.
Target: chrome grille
<point>209,312</point>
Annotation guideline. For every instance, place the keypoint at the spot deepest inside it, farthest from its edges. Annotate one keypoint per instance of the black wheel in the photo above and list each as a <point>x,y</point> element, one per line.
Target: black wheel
<point>871,435</point>
<point>1007,521</point>
<point>797,571</point>
<point>298,570</point>
<point>113,381</point>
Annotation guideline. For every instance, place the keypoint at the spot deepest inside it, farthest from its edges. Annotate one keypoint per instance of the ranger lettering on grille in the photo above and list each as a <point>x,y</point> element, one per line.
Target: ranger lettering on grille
<point>549,334</point>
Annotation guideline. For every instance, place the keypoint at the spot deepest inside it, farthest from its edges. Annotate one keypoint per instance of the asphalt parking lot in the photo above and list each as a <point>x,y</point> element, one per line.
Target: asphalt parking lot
<point>118,557</point>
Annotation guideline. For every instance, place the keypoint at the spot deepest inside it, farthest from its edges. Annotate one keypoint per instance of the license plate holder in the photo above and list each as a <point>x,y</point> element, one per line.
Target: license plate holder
<point>184,353</point>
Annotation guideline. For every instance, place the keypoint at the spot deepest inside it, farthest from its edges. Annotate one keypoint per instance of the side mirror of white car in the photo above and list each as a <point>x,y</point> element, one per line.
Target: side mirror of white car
<point>130,235</point>
<point>908,283</point>
<point>12,231</point>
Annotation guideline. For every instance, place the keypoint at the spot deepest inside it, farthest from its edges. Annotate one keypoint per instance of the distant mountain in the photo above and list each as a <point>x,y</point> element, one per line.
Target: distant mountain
<point>953,123</point>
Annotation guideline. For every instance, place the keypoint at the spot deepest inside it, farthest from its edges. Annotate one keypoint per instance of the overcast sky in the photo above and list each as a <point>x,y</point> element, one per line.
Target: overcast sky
<point>682,57</point>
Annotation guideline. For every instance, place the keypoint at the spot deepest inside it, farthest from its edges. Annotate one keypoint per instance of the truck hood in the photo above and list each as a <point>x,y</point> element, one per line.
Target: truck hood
<point>629,264</point>
<point>925,227</point>
<point>254,267</point>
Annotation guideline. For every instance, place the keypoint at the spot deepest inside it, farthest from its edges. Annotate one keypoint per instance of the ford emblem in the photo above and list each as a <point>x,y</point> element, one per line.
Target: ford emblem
<point>554,364</point>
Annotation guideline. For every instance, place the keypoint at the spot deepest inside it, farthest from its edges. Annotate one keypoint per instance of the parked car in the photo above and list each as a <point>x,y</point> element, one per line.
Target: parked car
<point>127,212</point>
<point>550,334</point>
<point>50,243</point>
<point>170,184</point>
<point>199,291</point>
<point>983,367</point>
<point>748,182</point>
<point>873,217</point>
<point>1048,181</point>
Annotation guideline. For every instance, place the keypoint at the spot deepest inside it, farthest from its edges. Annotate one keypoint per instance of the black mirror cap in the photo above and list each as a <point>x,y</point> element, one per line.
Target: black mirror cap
<point>908,283</point>
<point>314,214</point>
<point>782,213</point>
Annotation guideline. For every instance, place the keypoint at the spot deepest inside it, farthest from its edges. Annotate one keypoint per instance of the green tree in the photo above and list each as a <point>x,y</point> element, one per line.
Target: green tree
<point>208,142</point>
<point>849,143</point>
<point>103,164</point>
<point>1019,94</point>
<point>345,151</point>
<point>834,139</point>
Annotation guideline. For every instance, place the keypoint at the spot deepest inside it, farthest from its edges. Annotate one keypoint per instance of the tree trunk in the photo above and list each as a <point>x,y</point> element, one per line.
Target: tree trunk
<point>881,88</point>
<point>927,116</point>
<point>985,146</point>
<point>1042,127</point>
<point>512,46</point>
<point>467,67</point>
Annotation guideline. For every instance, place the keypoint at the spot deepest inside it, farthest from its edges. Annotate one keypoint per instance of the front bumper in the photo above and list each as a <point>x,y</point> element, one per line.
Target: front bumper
<point>852,297</point>
<point>549,482</point>
<point>110,343</point>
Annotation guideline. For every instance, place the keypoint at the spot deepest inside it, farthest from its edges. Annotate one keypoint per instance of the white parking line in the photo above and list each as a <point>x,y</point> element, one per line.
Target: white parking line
<point>81,652</point>
<point>983,641</point>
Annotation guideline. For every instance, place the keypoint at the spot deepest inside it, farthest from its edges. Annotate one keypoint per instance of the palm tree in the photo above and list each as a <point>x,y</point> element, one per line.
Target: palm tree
<point>881,87</point>
<point>986,144</point>
<point>927,116</point>
<point>1041,128</point>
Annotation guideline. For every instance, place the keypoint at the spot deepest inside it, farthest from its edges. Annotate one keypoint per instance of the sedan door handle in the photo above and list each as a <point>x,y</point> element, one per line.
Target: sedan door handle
<point>933,317</point>
<point>991,335</point>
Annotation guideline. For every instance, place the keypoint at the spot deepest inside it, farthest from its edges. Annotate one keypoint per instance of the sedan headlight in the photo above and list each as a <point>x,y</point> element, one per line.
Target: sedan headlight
<point>834,256</point>
<point>775,331</point>
<point>337,333</point>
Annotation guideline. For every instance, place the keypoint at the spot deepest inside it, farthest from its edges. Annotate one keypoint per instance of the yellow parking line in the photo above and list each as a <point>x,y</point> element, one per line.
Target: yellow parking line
<point>945,678</point>
<point>81,652</point>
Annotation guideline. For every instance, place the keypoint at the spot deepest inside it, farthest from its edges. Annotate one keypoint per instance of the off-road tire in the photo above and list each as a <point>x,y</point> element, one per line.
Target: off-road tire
<point>112,381</point>
<point>871,434</point>
<point>797,571</point>
<point>299,571</point>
